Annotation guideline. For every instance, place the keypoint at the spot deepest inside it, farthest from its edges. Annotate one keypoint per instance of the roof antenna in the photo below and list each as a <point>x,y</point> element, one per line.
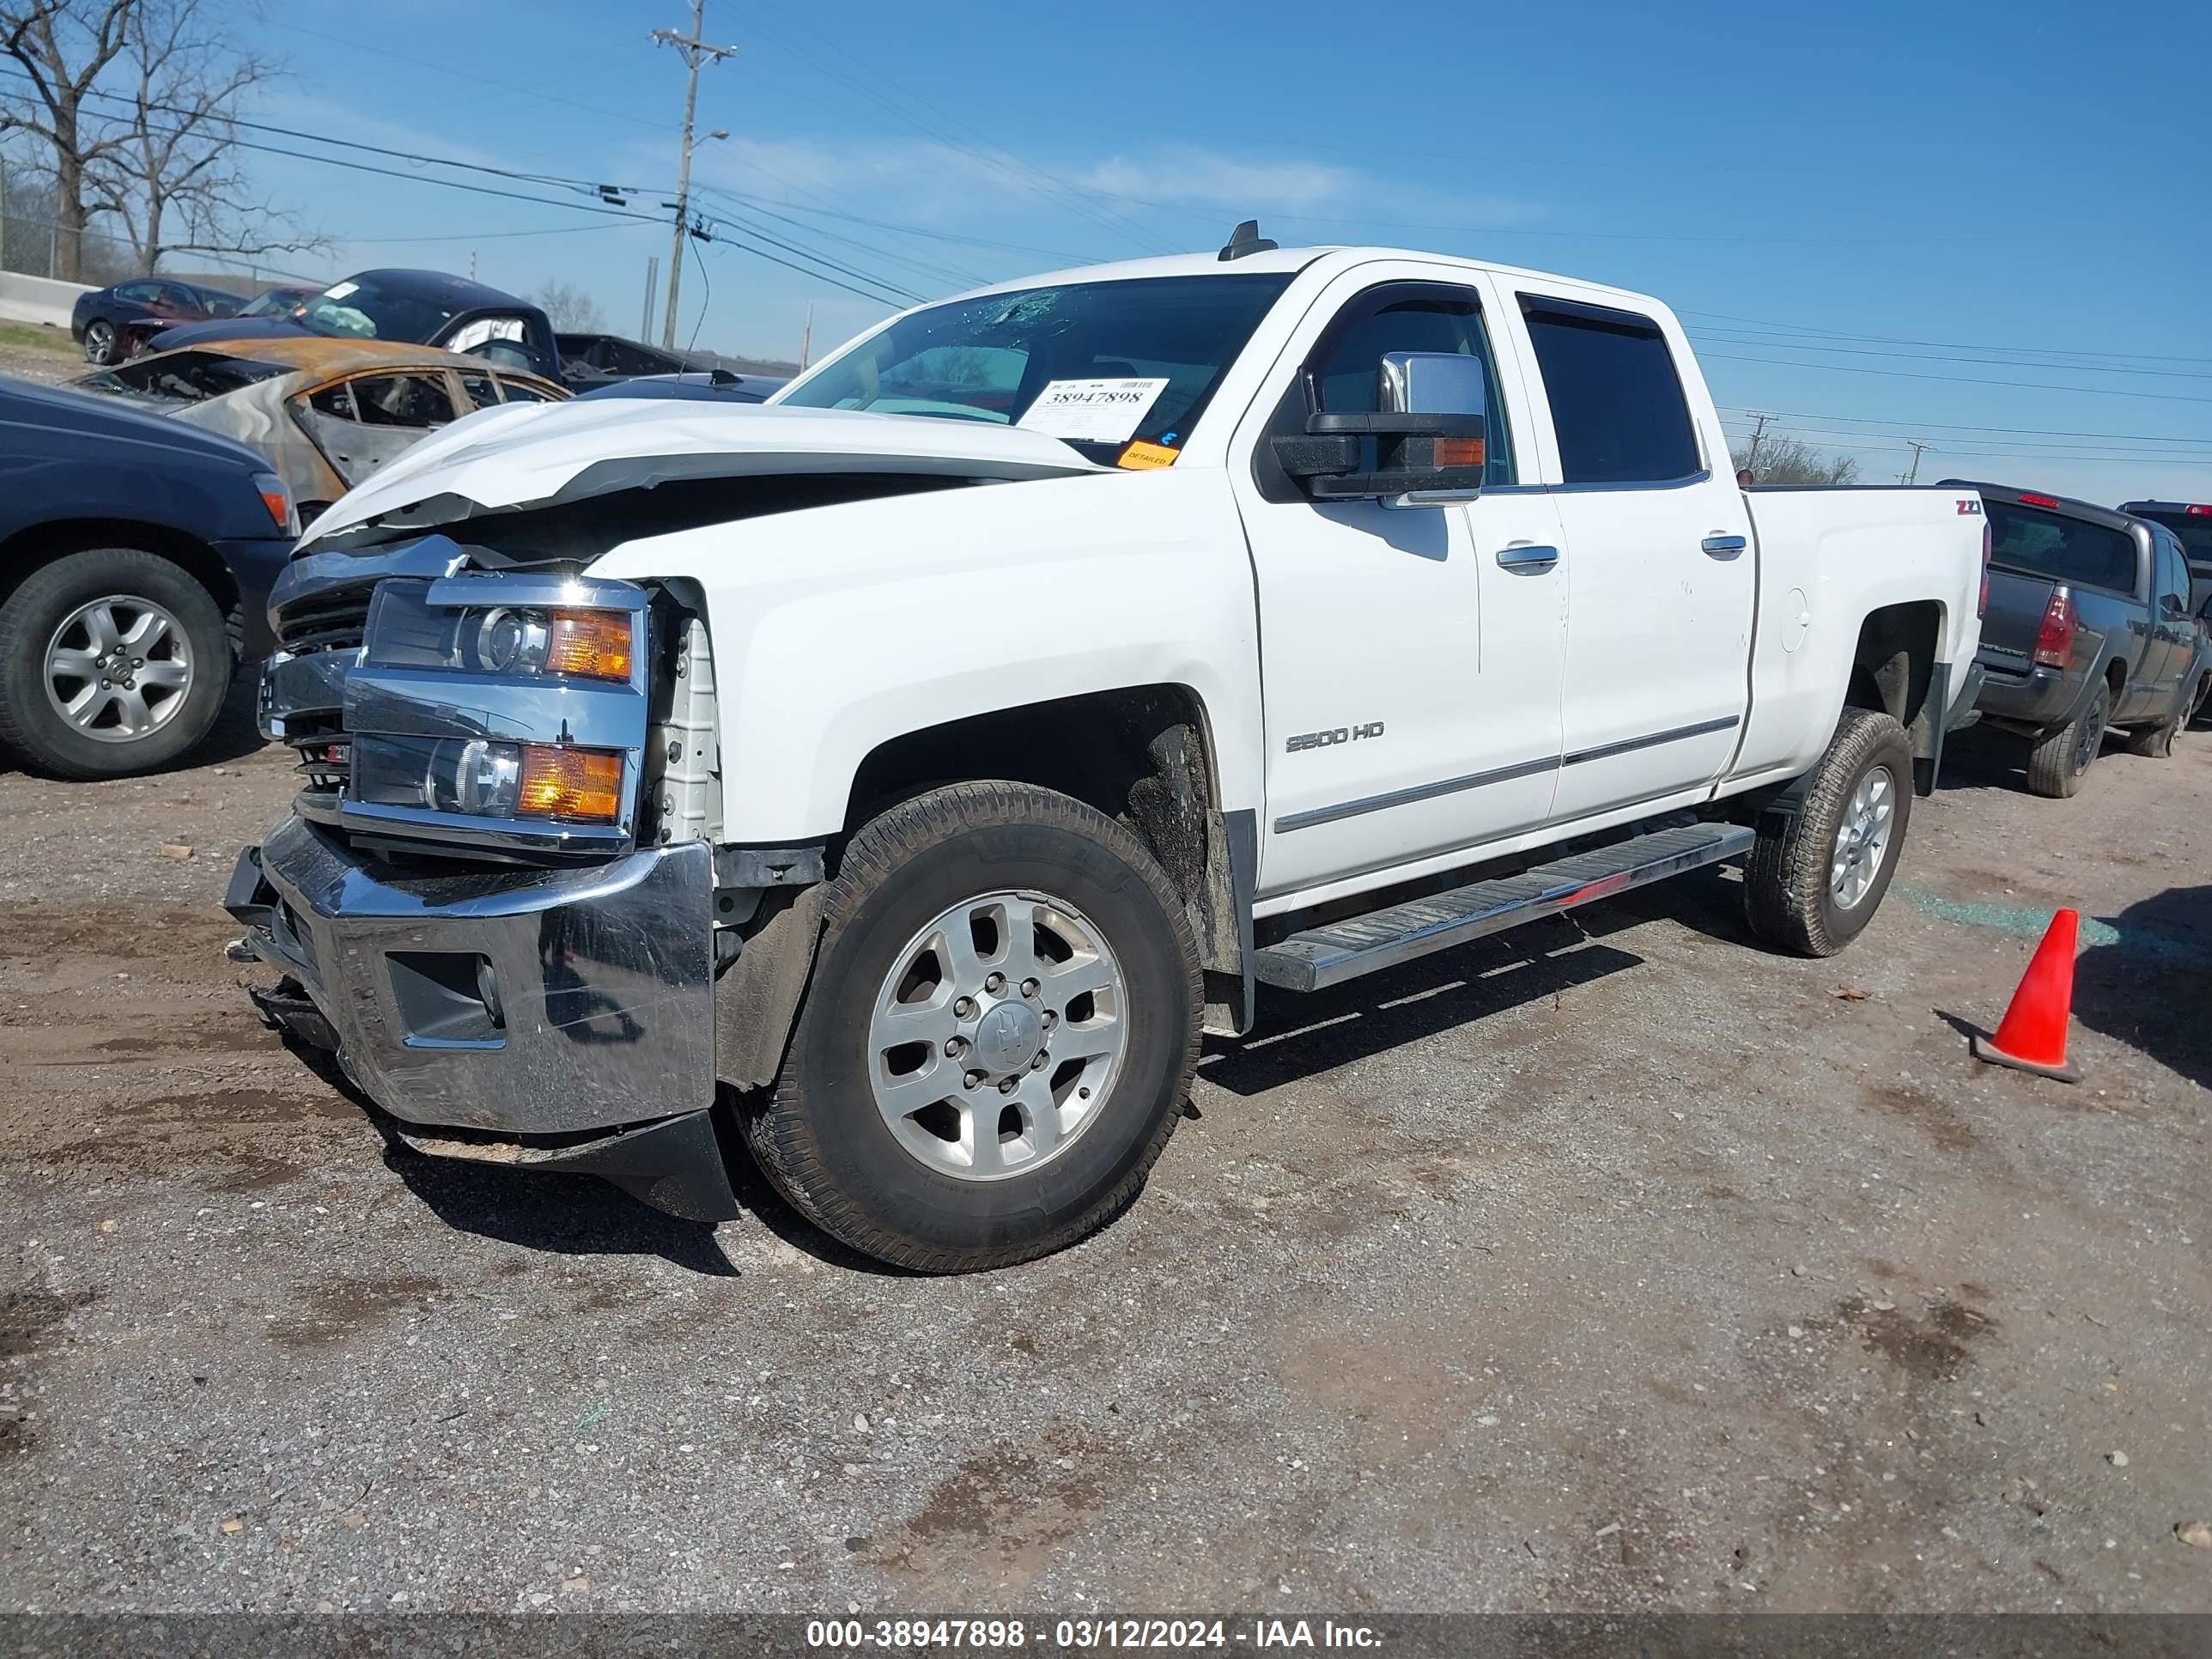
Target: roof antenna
<point>1245,239</point>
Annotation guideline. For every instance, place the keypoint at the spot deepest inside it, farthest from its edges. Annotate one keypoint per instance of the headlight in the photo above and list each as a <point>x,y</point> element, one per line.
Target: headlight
<point>483,779</point>
<point>517,641</point>
<point>593,645</point>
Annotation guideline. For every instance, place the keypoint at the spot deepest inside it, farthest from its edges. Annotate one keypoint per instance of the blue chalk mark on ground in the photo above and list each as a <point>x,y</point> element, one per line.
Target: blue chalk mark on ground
<point>2029,921</point>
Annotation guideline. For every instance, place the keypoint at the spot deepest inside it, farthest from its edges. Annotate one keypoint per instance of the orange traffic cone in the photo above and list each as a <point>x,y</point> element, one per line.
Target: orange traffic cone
<point>2033,1035</point>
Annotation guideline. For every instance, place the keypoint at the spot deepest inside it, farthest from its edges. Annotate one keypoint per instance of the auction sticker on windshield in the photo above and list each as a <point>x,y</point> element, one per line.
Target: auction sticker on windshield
<point>1092,411</point>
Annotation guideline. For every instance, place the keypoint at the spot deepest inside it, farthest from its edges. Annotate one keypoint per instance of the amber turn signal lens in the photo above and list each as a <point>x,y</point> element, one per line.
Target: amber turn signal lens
<point>1458,451</point>
<point>595,644</point>
<point>582,786</point>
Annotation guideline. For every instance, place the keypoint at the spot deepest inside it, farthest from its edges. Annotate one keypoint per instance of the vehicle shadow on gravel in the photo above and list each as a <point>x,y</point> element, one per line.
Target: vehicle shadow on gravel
<point>1299,1036</point>
<point>565,1214</point>
<point>2147,988</point>
<point>1982,757</point>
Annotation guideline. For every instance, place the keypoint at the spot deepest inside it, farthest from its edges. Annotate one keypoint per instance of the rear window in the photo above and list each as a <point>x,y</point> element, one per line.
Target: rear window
<point>2035,542</point>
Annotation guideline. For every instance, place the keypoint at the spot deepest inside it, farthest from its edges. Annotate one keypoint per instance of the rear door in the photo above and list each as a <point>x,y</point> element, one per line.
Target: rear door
<point>2173,627</point>
<point>1660,572</point>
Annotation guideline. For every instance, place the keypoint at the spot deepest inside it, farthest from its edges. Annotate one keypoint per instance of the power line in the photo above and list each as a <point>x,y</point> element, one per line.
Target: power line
<point>1957,379</point>
<point>1939,426</point>
<point>1926,358</point>
<point>1887,339</point>
<point>902,103</point>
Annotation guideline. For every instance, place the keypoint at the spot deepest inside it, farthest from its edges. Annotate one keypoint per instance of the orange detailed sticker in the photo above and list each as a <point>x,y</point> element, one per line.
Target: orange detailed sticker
<point>1140,455</point>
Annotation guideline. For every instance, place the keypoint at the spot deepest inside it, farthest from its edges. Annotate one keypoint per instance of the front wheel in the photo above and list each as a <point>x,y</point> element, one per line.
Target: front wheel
<point>99,340</point>
<point>1817,875</point>
<point>113,660</point>
<point>1000,1035</point>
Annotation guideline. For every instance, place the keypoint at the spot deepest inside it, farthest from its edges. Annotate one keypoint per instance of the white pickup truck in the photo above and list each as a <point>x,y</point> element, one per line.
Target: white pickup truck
<point>896,778</point>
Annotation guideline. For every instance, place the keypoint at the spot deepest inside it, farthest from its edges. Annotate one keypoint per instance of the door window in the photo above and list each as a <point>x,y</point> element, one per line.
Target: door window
<point>1343,375</point>
<point>1617,403</point>
<point>411,400</point>
<point>521,392</point>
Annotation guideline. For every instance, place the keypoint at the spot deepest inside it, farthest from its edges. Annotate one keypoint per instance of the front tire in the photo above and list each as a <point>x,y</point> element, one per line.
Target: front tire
<point>2057,763</point>
<point>1817,875</point>
<point>998,1038</point>
<point>112,661</point>
<point>99,341</point>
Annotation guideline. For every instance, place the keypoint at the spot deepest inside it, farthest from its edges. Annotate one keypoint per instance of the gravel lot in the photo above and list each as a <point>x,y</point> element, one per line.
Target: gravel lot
<point>1607,1267</point>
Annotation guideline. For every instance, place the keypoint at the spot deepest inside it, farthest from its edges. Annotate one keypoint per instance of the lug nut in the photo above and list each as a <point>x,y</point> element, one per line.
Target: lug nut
<point>972,1080</point>
<point>1007,1087</point>
<point>962,1007</point>
<point>956,1047</point>
<point>1040,1062</point>
<point>1051,1019</point>
<point>138,662</point>
<point>995,982</point>
<point>1028,987</point>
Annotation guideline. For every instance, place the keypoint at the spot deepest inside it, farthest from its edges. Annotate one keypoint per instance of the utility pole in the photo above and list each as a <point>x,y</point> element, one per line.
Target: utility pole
<point>807,337</point>
<point>1913,476</point>
<point>1758,435</point>
<point>652,287</point>
<point>695,52</point>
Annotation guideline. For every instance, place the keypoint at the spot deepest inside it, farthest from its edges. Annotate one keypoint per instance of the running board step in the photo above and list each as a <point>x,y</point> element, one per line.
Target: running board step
<point>1323,956</point>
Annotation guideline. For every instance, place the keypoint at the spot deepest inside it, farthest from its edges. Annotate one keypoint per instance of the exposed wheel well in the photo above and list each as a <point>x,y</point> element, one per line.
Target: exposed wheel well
<point>2116,676</point>
<point>1141,755</point>
<point>1893,672</point>
<point>42,543</point>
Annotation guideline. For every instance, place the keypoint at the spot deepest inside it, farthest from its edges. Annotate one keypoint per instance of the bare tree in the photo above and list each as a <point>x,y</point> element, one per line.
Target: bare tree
<point>174,180</point>
<point>569,309</point>
<point>136,101</point>
<point>63,47</point>
<point>1780,461</point>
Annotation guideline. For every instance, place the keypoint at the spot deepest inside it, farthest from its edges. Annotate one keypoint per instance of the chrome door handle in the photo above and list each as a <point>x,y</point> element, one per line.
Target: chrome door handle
<point>1522,556</point>
<point>1725,547</point>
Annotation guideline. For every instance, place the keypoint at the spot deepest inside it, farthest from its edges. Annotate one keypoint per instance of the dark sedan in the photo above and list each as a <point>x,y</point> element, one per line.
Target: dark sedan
<point>112,323</point>
<point>422,307</point>
<point>135,555</point>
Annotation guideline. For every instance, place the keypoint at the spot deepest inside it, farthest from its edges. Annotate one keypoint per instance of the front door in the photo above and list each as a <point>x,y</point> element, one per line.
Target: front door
<point>1411,656</point>
<point>1660,574</point>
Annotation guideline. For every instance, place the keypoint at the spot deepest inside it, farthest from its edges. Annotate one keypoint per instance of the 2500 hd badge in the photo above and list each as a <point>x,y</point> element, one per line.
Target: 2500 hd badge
<point>1324,739</point>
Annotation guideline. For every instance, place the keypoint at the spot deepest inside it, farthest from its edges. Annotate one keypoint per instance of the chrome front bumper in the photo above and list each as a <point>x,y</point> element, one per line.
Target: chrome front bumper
<point>517,1002</point>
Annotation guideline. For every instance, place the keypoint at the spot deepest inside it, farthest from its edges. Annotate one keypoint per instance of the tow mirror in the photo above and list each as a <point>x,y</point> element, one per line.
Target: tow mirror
<point>1430,430</point>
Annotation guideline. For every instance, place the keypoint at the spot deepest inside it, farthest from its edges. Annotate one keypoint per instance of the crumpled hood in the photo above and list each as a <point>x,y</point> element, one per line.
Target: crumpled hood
<point>516,455</point>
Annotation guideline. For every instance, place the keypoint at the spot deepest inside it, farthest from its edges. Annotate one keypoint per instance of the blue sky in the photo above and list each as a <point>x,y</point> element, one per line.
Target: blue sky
<point>1862,215</point>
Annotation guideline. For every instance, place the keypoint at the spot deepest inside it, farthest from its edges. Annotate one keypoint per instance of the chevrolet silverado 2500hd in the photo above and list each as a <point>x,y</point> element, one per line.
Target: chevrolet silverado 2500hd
<point>898,776</point>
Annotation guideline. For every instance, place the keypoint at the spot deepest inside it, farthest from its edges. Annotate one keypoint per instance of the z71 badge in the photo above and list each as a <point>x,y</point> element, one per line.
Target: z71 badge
<point>1324,739</point>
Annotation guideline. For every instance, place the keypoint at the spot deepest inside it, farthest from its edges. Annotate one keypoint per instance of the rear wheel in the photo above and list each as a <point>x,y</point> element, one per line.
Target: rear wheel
<point>1817,875</point>
<point>1000,1032</point>
<point>2155,741</point>
<point>111,661</point>
<point>2057,763</point>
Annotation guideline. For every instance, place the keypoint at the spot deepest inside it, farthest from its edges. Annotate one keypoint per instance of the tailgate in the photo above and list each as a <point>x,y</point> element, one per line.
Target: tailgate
<point>2017,602</point>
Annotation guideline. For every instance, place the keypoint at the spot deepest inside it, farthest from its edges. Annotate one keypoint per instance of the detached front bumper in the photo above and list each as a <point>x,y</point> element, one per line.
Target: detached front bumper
<point>562,1018</point>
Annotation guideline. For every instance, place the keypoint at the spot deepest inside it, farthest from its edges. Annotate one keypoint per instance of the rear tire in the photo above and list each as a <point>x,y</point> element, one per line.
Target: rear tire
<point>1817,875</point>
<point>65,611</point>
<point>903,1140</point>
<point>2057,763</point>
<point>2156,741</point>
